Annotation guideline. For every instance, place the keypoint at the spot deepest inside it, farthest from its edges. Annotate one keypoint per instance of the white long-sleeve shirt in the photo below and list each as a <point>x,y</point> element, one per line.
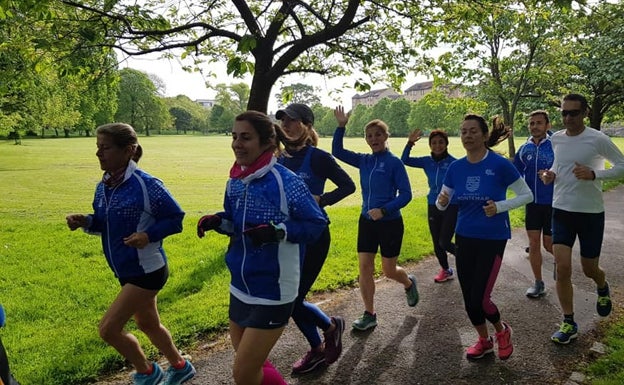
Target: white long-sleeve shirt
<point>589,148</point>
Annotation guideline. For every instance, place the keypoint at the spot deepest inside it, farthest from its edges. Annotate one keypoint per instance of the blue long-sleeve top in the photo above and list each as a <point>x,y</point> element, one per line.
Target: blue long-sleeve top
<point>531,158</point>
<point>268,274</point>
<point>140,203</point>
<point>435,170</point>
<point>315,167</point>
<point>383,178</point>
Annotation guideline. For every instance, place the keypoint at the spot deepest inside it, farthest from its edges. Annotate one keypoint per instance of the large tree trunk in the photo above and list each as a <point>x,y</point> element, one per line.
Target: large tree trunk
<point>260,92</point>
<point>595,114</point>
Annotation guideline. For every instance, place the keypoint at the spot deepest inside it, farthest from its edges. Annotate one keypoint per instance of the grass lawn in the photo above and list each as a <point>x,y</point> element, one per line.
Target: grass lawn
<point>55,284</point>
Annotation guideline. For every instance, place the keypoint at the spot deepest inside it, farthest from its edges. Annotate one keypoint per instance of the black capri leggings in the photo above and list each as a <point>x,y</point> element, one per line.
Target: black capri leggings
<point>478,263</point>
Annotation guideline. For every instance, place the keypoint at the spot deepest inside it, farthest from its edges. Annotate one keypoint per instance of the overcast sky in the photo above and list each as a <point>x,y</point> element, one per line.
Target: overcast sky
<point>180,82</point>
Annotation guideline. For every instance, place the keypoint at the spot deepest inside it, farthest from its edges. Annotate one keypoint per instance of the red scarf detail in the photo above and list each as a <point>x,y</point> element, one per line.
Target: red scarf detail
<point>115,178</point>
<point>238,172</point>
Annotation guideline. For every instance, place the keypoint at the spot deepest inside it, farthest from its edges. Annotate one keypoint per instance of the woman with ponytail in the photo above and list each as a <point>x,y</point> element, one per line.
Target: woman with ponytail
<point>478,183</point>
<point>315,167</point>
<point>133,213</point>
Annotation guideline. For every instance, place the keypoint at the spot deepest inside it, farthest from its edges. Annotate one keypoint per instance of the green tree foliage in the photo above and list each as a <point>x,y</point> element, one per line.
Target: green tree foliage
<point>50,78</point>
<point>325,121</point>
<point>500,49</point>
<point>380,111</point>
<point>599,56</point>
<point>266,39</point>
<point>197,114</point>
<point>230,101</point>
<point>359,117</point>
<point>221,119</point>
<point>233,97</point>
<point>396,117</point>
<point>182,119</point>
<point>139,104</point>
<point>298,93</point>
<point>437,110</point>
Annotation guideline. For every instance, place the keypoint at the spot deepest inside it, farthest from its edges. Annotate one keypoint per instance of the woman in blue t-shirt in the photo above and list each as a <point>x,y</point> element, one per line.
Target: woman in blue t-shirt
<point>441,223</point>
<point>478,183</point>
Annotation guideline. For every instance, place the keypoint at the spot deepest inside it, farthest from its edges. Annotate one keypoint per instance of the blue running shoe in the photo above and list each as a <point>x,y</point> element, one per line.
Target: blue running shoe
<point>152,379</point>
<point>175,376</point>
<point>566,333</point>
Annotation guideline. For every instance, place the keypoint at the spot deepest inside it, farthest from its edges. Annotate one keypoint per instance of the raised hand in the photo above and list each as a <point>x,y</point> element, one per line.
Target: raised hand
<point>342,118</point>
<point>414,136</point>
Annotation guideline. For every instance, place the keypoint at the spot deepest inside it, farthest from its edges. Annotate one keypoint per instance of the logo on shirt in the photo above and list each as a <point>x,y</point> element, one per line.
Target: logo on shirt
<point>472,183</point>
<point>489,172</point>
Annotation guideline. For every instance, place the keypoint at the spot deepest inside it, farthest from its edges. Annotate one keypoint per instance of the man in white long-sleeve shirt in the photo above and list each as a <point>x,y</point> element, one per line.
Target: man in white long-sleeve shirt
<point>578,208</point>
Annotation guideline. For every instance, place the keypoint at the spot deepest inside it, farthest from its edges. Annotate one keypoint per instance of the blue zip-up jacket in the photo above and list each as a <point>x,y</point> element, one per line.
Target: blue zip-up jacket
<point>383,178</point>
<point>140,203</point>
<point>269,274</point>
<point>315,166</point>
<point>531,158</point>
<point>435,170</point>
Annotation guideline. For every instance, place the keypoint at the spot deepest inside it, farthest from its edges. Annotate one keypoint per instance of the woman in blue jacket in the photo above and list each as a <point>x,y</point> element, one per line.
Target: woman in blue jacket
<point>441,223</point>
<point>133,213</point>
<point>315,167</point>
<point>269,215</point>
<point>385,190</point>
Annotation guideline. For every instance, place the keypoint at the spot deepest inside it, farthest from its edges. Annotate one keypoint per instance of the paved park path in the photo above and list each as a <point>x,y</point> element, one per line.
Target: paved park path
<point>425,344</point>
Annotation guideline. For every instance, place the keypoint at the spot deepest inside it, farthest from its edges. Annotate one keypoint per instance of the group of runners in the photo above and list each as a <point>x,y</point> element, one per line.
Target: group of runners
<point>279,234</point>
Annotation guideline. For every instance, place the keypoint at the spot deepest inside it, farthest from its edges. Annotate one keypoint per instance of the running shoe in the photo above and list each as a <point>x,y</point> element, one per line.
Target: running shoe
<point>175,376</point>
<point>566,333</point>
<point>603,304</point>
<point>482,347</point>
<point>309,362</point>
<point>537,290</point>
<point>444,275</point>
<point>333,340</point>
<point>412,292</point>
<point>365,322</point>
<point>152,379</point>
<point>503,339</point>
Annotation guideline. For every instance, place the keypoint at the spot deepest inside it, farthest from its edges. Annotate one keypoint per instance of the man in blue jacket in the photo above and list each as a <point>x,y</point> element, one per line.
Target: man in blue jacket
<point>534,155</point>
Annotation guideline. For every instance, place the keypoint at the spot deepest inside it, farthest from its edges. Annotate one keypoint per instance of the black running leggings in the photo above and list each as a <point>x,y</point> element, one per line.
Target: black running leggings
<point>478,264</point>
<point>442,227</point>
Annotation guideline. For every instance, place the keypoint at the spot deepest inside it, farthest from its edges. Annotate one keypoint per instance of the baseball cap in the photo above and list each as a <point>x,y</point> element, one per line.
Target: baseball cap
<point>297,111</point>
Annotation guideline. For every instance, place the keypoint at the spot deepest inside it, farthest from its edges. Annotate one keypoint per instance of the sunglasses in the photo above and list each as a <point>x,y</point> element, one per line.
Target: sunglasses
<point>571,113</point>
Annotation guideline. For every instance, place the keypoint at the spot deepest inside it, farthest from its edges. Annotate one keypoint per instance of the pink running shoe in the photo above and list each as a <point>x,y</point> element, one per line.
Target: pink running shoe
<point>503,338</point>
<point>481,348</point>
<point>309,362</point>
<point>444,275</point>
